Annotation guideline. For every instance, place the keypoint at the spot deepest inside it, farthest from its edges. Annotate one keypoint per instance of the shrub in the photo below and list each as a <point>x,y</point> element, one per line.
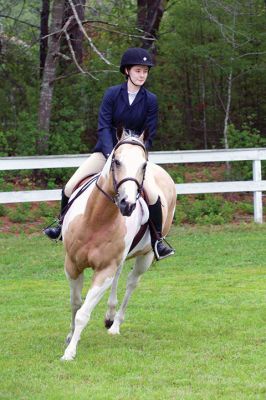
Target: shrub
<point>3,210</point>
<point>177,174</point>
<point>206,209</point>
<point>247,137</point>
<point>46,210</point>
<point>246,208</point>
<point>20,141</point>
<point>21,213</point>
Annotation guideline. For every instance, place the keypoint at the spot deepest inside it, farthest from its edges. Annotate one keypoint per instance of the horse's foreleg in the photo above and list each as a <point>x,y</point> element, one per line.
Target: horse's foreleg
<point>101,282</point>
<point>76,286</point>
<point>141,265</point>
<point>112,301</point>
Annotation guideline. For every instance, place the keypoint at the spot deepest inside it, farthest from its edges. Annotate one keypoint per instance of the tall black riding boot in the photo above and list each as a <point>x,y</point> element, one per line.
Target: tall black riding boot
<point>161,250</point>
<point>54,233</point>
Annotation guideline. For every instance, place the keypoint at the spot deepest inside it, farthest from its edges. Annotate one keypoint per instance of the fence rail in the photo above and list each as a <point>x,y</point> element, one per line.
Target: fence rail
<point>257,185</point>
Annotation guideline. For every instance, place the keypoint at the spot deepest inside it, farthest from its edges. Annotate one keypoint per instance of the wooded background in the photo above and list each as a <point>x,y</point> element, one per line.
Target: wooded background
<point>58,57</point>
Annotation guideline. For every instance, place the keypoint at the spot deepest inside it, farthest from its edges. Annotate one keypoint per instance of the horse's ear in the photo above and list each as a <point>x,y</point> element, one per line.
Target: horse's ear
<point>144,135</point>
<point>119,131</point>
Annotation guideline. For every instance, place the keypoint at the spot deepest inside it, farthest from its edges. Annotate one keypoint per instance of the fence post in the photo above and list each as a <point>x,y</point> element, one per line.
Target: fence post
<point>257,196</point>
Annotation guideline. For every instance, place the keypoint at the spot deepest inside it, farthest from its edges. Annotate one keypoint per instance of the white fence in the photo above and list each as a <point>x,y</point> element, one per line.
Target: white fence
<point>257,185</point>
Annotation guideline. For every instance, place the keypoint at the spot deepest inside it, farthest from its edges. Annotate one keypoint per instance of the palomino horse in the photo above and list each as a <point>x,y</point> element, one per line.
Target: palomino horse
<point>98,231</point>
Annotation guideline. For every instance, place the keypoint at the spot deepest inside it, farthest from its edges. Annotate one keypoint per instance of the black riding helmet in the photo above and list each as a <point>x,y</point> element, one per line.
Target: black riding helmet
<point>135,56</point>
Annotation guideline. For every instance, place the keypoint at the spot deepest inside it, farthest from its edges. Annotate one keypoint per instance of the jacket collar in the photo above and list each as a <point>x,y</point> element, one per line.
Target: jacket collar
<point>139,96</point>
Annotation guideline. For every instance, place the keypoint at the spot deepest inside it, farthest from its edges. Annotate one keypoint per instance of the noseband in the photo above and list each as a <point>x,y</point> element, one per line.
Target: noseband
<point>118,184</point>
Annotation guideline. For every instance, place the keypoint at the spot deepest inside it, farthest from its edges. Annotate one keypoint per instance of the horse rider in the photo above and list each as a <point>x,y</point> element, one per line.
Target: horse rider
<point>135,108</point>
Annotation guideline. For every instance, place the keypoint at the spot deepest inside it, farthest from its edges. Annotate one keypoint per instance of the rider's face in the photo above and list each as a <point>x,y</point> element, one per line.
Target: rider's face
<point>138,74</point>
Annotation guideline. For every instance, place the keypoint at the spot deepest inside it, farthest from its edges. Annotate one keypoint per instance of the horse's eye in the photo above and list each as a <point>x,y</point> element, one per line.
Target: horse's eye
<point>117,163</point>
<point>144,166</point>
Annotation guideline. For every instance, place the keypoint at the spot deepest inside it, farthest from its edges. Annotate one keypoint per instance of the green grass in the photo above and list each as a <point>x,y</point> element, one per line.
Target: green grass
<point>194,329</point>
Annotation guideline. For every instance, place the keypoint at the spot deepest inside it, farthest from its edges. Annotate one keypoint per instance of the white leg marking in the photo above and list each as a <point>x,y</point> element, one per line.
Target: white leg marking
<point>94,295</point>
<point>112,301</point>
<point>141,266</point>
<point>76,286</point>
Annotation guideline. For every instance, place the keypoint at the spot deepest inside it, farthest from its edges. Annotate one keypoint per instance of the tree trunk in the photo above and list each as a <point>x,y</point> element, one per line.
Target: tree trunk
<point>230,83</point>
<point>141,14</point>
<point>189,102</point>
<point>49,73</point>
<point>149,16</point>
<point>203,91</point>
<point>203,100</point>
<point>228,108</point>
<point>76,36</point>
<point>44,32</point>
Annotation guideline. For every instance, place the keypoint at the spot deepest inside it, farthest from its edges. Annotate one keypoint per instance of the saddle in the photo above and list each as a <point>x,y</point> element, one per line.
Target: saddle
<point>83,185</point>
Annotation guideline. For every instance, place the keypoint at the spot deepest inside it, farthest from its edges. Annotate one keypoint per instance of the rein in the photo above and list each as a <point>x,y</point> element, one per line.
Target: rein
<point>82,189</point>
<point>111,198</point>
<point>116,184</point>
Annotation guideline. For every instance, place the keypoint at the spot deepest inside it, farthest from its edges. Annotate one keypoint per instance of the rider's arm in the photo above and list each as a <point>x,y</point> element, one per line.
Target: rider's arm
<point>152,119</point>
<point>105,123</point>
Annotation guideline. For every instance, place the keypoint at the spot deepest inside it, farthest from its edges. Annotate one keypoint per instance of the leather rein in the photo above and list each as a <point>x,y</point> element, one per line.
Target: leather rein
<point>116,184</point>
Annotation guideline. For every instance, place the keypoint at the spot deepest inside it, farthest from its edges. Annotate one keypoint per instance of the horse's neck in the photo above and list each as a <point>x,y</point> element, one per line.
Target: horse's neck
<point>100,209</point>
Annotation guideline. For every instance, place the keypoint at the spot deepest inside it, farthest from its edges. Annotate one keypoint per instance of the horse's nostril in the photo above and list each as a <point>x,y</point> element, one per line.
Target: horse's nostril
<point>126,207</point>
<point>132,207</point>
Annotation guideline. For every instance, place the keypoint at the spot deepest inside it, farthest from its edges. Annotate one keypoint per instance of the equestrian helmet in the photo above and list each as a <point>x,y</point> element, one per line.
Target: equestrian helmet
<point>135,56</point>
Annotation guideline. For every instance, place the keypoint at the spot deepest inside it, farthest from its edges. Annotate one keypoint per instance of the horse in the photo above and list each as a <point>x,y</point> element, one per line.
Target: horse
<point>98,231</point>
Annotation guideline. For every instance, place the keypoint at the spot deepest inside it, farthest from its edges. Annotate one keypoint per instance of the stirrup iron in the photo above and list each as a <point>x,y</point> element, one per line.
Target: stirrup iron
<point>169,251</point>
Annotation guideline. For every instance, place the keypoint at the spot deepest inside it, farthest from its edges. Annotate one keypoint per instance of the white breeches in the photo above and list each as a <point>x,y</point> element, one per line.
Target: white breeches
<point>95,163</point>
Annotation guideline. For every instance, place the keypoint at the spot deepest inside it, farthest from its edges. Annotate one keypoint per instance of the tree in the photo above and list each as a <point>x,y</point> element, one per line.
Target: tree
<point>228,17</point>
<point>195,50</point>
<point>49,74</point>
<point>44,26</point>
<point>149,15</point>
<point>68,14</point>
<point>75,33</point>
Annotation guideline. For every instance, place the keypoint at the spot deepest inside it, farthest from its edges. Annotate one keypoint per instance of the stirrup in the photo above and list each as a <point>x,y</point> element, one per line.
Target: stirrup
<point>169,250</point>
<point>56,222</point>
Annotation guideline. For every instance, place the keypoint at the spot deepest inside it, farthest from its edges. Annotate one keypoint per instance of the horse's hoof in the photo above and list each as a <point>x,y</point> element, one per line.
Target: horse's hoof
<point>108,323</point>
<point>114,330</point>
<point>68,356</point>
<point>65,358</point>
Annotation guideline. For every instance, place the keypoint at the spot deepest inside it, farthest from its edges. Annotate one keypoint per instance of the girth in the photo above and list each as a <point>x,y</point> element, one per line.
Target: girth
<point>139,236</point>
<point>143,227</point>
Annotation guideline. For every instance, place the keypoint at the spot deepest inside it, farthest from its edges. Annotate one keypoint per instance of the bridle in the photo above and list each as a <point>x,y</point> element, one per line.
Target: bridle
<point>116,184</point>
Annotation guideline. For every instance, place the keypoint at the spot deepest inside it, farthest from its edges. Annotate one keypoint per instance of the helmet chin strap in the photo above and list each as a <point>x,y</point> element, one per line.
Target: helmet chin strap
<point>128,75</point>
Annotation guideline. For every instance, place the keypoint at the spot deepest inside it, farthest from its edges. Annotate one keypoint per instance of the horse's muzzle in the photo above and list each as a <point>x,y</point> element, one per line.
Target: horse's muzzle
<point>126,208</point>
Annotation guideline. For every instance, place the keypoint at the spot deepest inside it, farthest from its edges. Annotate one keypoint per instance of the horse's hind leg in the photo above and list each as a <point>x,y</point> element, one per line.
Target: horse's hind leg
<point>76,286</point>
<point>141,265</point>
<point>112,301</point>
<point>101,282</point>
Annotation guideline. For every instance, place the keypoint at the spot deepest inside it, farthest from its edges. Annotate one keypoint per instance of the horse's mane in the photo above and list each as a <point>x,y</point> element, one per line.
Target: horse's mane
<point>128,134</point>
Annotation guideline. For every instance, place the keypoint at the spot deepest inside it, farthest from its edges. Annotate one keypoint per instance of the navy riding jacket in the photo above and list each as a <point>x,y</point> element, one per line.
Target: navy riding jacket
<point>115,110</point>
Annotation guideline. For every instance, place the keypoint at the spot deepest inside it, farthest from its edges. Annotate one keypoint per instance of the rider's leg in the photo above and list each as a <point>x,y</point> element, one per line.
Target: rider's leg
<point>161,249</point>
<point>54,232</point>
<point>93,165</point>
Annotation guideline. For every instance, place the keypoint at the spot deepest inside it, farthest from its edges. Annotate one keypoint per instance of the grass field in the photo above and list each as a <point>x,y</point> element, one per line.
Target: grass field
<point>194,329</point>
